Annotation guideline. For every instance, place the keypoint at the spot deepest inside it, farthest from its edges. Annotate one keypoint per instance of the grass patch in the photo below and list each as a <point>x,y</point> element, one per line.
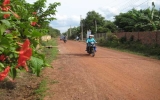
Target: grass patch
<point>53,82</point>
<point>50,53</point>
<point>41,90</point>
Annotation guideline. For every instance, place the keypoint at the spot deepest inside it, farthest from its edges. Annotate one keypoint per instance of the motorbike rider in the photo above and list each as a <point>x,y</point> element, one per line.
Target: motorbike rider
<point>64,38</point>
<point>90,39</point>
<point>77,38</point>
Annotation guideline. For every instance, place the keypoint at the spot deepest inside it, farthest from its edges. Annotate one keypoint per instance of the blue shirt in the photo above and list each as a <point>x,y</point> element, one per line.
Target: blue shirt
<point>91,40</point>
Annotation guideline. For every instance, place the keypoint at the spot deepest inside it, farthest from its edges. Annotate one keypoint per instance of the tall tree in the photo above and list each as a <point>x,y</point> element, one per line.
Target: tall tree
<point>139,20</point>
<point>93,21</point>
<point>125,22</point>
<point>109,26</point>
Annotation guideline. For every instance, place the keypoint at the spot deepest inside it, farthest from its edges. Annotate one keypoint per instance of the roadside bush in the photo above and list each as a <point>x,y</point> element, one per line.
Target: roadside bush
<point>131,45</point>
<point>101,41</point>
<point>123,39</point>
<point>111,37</point>
<point>131,38</point>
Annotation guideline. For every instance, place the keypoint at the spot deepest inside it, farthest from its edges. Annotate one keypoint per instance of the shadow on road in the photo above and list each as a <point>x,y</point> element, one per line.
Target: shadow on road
<point>75,55</point>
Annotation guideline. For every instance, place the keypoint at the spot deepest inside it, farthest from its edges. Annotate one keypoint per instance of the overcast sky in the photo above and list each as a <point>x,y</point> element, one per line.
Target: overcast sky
<point>68,14</point>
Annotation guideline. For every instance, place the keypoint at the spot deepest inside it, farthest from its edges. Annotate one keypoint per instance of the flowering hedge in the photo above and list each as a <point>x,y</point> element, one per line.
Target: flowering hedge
<point>20,32</point>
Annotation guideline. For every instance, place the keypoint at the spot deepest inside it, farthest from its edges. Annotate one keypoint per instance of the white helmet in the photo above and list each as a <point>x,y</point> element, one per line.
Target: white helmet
<point>91,35</point>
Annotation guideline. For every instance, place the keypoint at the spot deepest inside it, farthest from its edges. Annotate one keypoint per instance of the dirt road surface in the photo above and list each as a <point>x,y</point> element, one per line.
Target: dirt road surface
<point>110,75</point>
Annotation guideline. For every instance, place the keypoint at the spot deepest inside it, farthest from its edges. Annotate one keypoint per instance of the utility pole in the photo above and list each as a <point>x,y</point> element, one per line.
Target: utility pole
<point>67,34</point>
<point>96,27</point>
<point>81,27</point>
<point>70,31</point>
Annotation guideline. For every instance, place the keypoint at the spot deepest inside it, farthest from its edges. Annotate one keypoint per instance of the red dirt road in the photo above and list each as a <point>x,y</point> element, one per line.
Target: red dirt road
<point>110,75</point>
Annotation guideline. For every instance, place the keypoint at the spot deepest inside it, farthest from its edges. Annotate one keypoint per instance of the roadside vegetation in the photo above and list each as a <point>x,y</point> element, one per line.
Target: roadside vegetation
<point>50,51</point>
<point>21,27</point>
<point>27,85</point>
<point>131,46</point>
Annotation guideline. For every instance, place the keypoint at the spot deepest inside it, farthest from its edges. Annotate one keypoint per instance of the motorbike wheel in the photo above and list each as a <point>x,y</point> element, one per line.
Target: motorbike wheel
<point>93,53</point>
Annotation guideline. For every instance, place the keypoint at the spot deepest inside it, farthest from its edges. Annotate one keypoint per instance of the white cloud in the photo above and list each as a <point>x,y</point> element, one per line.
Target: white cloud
<point>61,17</point>
<point>64,22</point>
<point>108,12</point>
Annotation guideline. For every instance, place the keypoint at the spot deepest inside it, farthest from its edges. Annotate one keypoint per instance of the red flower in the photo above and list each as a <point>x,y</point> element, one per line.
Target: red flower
<point>33,23</point>
<point>2,57</point>
<point>4,73</point>
<point>6,16</point>
<point>6,2</point>
<point>34,13</point>
<point>24,54</point>
<point>5,8</point>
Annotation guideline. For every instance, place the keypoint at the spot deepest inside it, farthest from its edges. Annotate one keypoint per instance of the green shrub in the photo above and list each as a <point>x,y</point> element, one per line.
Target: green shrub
<point>123,39</point>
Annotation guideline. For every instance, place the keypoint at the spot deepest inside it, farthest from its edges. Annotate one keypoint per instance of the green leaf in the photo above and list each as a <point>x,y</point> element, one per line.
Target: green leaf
<point>1,65</point>
<point>5,13</point>
<point>6,22</point>
<point>26,32</point>
<point>36,34</point>
<point>1,50</point>
<point>5,41</point>
<point>2,29</point>
<point>36,65</point>
<point>32,19</point>
<point>13,73</point>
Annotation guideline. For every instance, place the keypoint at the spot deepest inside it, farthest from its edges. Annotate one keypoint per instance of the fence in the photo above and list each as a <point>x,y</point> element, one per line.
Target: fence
<point>145,37</point>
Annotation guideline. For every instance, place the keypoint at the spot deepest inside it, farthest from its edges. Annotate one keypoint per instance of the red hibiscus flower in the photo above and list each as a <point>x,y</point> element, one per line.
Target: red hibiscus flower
<point>6,16</point>
<point>34,13</point>
<point>6,2</point>
<point>24,54</point>
<point>4,7</point>
<point>4,73</point>
<point>33,23</point>
<point>2,57</point>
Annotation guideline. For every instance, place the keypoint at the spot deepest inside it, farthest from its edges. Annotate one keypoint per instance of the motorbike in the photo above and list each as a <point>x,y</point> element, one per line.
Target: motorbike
<point>91,48</point>
<point>65,40</point>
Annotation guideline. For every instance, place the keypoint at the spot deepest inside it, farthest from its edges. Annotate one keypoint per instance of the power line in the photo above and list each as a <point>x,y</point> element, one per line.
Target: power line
<point>129,4</point>
<point>136,6</point>
<point>126,4</point>
<point>142,3</point>
<point>117,4</point>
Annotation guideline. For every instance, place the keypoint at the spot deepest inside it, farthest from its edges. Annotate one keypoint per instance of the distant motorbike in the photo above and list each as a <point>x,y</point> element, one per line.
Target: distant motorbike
<point>64,40</point>
<point>77,39</point>
<point>91,48</point>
